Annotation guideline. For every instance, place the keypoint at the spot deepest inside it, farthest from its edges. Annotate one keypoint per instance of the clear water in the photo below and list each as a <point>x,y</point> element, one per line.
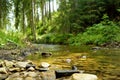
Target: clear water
<point>106,62</point>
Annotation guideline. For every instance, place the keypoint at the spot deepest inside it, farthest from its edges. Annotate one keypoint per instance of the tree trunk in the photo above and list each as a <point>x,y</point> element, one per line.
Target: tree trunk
<point>32,21</point>
<point>49,10</point>
<point>0,13</point>
<point>53,6</point>
<point>17,14</point>
<point>42,10</point>
<point>23,17</point>
<point>45,9</point>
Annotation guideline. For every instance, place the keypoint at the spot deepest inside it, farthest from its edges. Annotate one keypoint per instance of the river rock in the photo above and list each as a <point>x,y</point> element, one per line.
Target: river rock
<point>30,74</point>
<point>3,76</point>
<point>31,69</point>
<point>21,64</point>
<point>44,64</point>
<point>29,78</point>
<point>68,60</point>
<point>79,76</point>
<point>30,65</point>
<point>8,64</point>
<point>1,63</point>
<point>96,48</point>
<point>49,75</point>
<point>15,76</point>
<point>46,54</point>
<point>14,69</point>
<point>3,70</point>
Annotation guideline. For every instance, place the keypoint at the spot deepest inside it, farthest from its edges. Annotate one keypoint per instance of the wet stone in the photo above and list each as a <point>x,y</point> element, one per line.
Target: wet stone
<point>49,75</point>
<point>3,76</point>
<point>118,78</point>
<point>112,77</point>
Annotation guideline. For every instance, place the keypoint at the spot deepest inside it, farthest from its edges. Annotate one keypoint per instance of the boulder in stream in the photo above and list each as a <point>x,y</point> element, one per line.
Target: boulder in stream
<point>46,54</point>
<point>79,76</point>
<point>44,64</point>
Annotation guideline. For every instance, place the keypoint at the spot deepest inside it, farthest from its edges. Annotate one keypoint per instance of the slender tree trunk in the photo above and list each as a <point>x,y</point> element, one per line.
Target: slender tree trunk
<point>45,10</point>
<point>49,10</point>
<point>42,13</point>
<point>23,17</point>
<point>17,14</point>
<point>42,10</point>
<point>32,21</point>
<point>53,6</point>
<point>37,13</point>
<point>1,14</point>
<point>34,16</point>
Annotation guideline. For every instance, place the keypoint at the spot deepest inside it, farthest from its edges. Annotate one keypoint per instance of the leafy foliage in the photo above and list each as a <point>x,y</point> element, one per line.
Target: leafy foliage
<point>76,21</point>
<point>54,38</point>
<point>11,37</point>
<point>104,32</point>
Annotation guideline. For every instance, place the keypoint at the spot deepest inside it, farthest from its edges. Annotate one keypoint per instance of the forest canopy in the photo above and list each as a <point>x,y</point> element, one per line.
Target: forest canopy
<point>73,22</point>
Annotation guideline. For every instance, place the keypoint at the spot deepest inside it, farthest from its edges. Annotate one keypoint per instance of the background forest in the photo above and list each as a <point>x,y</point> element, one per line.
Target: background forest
<point>73,22</point>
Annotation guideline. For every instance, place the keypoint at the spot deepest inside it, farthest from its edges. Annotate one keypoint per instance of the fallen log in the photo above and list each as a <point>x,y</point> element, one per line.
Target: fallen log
<point>63,73</point>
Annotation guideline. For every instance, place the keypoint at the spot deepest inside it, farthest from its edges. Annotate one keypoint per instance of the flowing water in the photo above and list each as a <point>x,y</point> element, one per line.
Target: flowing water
<point>103,62</point>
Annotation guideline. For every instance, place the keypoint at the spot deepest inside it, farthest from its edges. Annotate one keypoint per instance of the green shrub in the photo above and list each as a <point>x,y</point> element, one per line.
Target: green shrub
<point>97,34</point>
<point>13,37</point>
<point>54,38</point>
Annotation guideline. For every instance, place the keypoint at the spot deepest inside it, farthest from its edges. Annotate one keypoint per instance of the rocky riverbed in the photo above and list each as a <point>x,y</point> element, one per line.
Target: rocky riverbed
<point>39,70</point>
<point>25,64</point>
<point>28,70</point>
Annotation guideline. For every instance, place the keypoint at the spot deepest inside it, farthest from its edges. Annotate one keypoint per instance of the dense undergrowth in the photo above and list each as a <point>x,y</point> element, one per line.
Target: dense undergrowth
<point>98,34</point>
<point>104,32</point>
<point>74,22</point>
<point>11,38</point>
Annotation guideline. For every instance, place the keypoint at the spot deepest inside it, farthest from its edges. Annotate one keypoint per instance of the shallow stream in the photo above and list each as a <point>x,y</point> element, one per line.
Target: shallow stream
<point>103,62</point>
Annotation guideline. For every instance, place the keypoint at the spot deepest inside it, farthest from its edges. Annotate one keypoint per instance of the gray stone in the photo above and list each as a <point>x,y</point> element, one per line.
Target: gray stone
<point>29,78</point>
<point>14,69</point>
<point>15,76</point>
<point>3,76</point>
<point>3,70</point>
<point>32,74</point>
<point>44,64</point>
<point>8,64</point>
<point>49,75</point>
<point>21,64</point>
<point>31,69</point>
<point>79,76</point>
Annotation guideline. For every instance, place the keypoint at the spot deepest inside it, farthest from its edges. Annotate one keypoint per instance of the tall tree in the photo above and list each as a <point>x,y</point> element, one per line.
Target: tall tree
<point>23,16</point>
<point>4,12</point>
<point>32,19</point>
<point>42,4</point>
<point>17,12</point>
<point>49,9</point>
<point>0,13</point>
